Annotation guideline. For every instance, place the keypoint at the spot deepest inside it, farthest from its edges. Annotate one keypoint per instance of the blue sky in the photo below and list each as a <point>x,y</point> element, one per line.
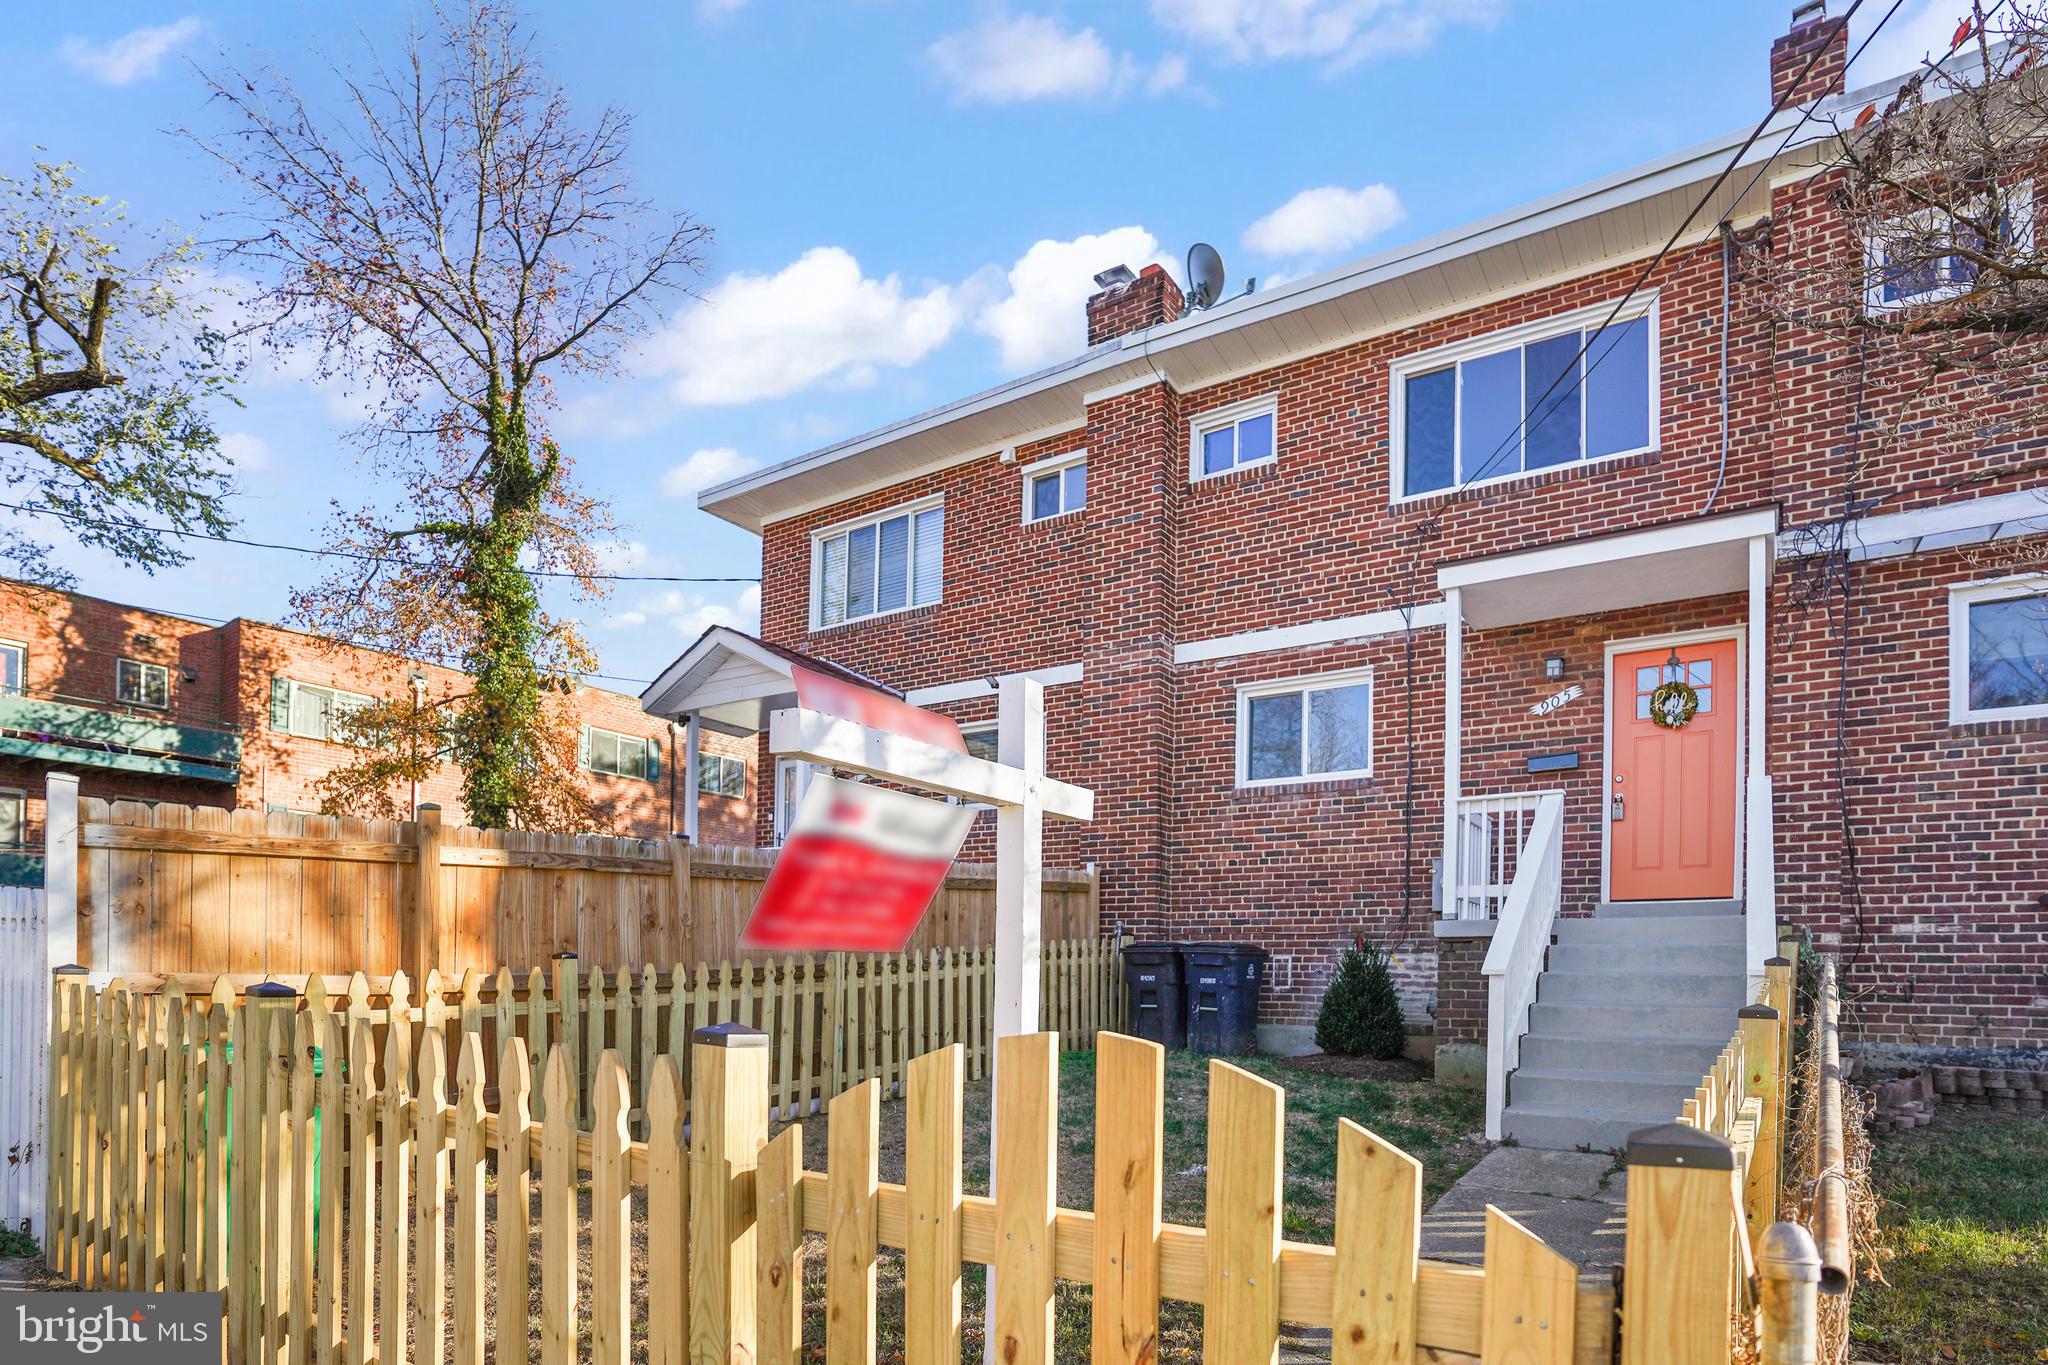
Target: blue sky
<point>908,199</point>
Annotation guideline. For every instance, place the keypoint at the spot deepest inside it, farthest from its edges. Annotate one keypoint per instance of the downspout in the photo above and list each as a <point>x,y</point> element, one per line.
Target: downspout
<point>1727,271</point>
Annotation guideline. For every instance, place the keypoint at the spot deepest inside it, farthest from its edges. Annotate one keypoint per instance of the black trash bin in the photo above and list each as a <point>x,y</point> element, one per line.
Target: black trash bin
<point>1223,982</point>
<point>1156,995</point>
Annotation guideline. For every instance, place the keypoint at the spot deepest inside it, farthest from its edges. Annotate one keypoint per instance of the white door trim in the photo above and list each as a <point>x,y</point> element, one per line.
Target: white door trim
<point>1736,633</point>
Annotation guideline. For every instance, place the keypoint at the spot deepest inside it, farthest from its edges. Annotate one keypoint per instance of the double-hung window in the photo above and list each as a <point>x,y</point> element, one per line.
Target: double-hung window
<point>721,775</point>
<point>142,684</point>
<point>1915,259</point>
<point>1056,486</point>
<point>878,565</point>
<point>1305,729</point>
<point>13,667</point>
<point>1998,650</point>
<point>605,751</point>
<point>1562,391</point>
<point>1231,438</point>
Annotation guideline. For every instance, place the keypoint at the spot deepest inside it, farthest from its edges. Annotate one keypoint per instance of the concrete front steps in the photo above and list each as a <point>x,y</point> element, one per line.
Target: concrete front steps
<point>1633,1006</point>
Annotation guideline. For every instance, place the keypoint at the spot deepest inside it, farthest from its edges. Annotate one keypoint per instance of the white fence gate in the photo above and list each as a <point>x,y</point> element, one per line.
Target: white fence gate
<point>24,1053</point>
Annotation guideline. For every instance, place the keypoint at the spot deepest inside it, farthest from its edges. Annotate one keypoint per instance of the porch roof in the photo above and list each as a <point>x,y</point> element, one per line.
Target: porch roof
<point>1609,573</point>
<point>732,682</point>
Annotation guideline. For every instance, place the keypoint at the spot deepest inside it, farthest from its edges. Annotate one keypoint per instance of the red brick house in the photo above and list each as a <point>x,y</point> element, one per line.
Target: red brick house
<point>1268,556</point>
<point>153,706</point>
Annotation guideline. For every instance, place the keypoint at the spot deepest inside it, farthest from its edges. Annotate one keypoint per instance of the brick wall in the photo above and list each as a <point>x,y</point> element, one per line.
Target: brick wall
<point>1461,990</point>
<point>1156,561</point>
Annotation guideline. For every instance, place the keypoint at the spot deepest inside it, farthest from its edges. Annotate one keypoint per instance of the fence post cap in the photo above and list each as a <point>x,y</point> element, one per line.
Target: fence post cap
<point>564,957</point>
<point>729,1035</point>
<point>1680,1144</point>
<point>270,990</point>
<point>71,969</point>
<point>1777,962</point>
<point>1786,1251</point>
<point>1756,1012</point>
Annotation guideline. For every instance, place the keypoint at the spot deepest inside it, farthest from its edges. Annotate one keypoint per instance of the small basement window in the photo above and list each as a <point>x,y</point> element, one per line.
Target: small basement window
<point>1998,650</point>
<point>1305,729</point>
<point>1233,438</point>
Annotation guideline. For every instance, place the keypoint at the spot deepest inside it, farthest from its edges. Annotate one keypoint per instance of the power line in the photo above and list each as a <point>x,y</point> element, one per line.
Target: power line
<point>357,555</point>
<point>1522,427</point>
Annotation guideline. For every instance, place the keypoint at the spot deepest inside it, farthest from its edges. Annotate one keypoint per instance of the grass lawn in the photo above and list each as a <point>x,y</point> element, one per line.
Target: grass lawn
<point>1964,1225</point>
<point>1439,1127</point>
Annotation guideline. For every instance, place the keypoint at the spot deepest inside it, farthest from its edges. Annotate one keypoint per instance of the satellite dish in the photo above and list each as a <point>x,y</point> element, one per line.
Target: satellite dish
<point>1205,276</point>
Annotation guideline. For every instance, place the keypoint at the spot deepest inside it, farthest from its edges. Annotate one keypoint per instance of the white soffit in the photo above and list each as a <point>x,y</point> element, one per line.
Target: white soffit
<point>1609,573</point>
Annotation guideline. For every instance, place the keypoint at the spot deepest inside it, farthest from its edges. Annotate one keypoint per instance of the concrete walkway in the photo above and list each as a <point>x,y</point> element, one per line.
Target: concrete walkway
<point>1572,1200</point>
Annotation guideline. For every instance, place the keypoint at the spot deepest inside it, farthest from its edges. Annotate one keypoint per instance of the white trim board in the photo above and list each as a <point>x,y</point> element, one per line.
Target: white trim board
<point>968,689</point>
<point>2002,516</point>
<point>1427,615</point>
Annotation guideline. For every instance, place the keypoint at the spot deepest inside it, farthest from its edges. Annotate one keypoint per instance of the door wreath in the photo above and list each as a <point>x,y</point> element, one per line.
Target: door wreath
<point>1674,704</point>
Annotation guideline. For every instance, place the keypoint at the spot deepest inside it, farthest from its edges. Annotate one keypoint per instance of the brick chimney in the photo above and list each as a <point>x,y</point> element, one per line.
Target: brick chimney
<point>1148,301</point>
<point>1812,31</point>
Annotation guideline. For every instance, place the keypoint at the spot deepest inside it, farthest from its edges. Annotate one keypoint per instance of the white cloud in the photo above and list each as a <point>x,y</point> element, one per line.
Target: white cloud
<point>690,614</point>
<point>1170,74</point>
<point>817,319</point>
<point>133,56</point>
<point>249,453</point>
<point>1005,58</point>
<point>1044,316</point>
<point>1323,220</point>
<point>702,469</point>
<point>1340,32</point>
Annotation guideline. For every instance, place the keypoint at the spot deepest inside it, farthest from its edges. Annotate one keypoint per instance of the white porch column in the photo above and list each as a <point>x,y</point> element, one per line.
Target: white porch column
<point>1454,726</point>
<point>1759,854</point>
<point>692,742</point>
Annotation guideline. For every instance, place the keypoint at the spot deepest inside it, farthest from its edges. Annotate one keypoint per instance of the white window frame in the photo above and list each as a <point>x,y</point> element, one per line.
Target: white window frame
<point>335,694</point>
<point>1961,597</point>
<point>721,760</point>
<point>1304,684</point>
<point>144,667</point>
<point>1052,464</point>
<point>1229,415</point>
<point>847,528</point>
<point>20,647</point>
<point>1644,305</point>
<point>2020,202</point>
<point>17,798</point>
<point>590,753</point>
<point>792,779</point>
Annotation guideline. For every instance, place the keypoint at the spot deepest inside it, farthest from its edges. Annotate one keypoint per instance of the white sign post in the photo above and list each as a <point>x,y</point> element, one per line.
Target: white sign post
<point>1022,795</point>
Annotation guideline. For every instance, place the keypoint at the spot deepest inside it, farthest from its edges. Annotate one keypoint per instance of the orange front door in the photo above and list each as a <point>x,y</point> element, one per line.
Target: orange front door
<point>1671,792</point>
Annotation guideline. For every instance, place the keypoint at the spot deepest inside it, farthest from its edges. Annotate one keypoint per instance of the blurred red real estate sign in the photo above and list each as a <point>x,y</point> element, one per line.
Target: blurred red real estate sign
<point>858,869</point>
<point>875,709</point>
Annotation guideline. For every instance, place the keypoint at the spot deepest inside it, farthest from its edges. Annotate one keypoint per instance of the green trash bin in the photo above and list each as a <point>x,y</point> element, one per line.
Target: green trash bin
<point>228,1127</point>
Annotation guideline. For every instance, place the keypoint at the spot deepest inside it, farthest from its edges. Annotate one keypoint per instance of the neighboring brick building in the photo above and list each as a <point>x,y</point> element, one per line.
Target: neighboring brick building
<point>1232,543</point>
<point>151,706</point>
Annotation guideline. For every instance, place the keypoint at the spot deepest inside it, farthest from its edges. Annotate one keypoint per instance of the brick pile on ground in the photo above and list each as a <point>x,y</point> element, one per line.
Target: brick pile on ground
<point>1911,1101</point>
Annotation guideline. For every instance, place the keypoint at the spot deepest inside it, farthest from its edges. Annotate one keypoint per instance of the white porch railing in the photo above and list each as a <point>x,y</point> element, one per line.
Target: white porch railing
<point>1492,831</point>
<point>1515,959</point>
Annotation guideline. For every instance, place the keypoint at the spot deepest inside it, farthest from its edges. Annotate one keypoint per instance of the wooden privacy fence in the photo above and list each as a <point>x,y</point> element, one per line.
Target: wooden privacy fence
<point>342,1210</point>
<point>175,889</point>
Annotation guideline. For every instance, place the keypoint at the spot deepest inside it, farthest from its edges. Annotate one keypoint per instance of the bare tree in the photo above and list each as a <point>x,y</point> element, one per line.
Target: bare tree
<point>451,239</point>
<point>109,364</point>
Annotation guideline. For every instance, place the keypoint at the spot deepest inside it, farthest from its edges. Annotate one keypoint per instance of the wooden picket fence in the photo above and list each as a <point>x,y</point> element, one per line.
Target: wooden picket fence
<point>319,1202</point>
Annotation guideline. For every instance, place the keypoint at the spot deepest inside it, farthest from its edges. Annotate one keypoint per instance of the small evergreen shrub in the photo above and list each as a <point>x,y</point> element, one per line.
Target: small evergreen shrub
<point>1360,1014</point>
